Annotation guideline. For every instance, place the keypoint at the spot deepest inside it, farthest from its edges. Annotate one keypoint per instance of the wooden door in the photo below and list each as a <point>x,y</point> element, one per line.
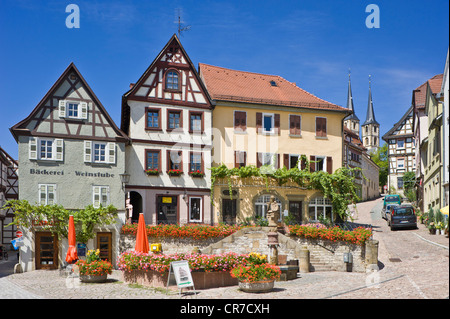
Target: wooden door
<point>104,244</point>
<point>46,250</point>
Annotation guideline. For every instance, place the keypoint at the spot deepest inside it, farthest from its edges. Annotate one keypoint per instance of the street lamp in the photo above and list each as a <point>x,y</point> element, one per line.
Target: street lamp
<point>124,178</point>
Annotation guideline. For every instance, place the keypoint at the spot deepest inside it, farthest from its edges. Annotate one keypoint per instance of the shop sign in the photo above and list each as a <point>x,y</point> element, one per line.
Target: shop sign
<point>81,249</point>
<point>167,200</point>
<point>182,273</point>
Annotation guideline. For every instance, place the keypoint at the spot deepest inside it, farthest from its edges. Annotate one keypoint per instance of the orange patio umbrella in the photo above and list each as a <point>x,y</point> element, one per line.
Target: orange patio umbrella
<point>71,255</point>
<point>141,236</point>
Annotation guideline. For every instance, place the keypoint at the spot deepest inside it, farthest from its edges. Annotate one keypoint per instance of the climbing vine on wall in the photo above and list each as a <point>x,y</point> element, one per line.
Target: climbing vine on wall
<point>339,186</point>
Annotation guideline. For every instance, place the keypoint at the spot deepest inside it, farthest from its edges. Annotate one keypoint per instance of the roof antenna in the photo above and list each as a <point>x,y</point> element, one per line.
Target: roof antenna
<point>180,22</point>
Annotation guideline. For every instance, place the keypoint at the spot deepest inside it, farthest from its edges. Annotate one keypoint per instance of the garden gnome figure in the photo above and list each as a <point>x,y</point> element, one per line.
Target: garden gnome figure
<point>273,212</point>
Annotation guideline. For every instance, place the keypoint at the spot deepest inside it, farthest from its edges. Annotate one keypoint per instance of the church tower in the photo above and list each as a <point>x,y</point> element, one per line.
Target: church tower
<point>351,121</point>
<point>370,128</point>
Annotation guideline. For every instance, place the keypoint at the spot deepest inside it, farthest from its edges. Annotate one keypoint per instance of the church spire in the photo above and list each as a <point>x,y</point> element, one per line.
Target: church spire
<point>370,117</point>
<point>350,101</point>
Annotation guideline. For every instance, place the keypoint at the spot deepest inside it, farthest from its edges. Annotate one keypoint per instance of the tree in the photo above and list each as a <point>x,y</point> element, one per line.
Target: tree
<point>380,157</point>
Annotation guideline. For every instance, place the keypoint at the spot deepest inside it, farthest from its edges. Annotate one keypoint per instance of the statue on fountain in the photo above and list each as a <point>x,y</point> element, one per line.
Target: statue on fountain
<point>273,212</point>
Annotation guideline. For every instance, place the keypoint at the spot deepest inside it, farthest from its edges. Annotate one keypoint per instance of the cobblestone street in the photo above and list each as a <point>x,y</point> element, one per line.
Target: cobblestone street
<point>412,264</point>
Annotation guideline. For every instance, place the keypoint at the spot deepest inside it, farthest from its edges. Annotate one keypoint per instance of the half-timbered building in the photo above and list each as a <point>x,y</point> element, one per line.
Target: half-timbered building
<point>9,190</point>
<point>420,129</point>
<point>167,115</point>
<point>71,153</point>
<point>401,151</point>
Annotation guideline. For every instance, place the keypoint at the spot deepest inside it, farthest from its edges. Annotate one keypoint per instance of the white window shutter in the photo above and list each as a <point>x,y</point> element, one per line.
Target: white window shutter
<point>87,151</point>
<point>59,154</point>
<point>111,153</point>
<point>84,110</point>
<point>96,196</point>
<point>32,147</point>
<point>62,108</point>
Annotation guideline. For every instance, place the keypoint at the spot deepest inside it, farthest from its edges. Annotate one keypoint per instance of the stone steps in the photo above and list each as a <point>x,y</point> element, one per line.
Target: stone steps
<point>255,240</point>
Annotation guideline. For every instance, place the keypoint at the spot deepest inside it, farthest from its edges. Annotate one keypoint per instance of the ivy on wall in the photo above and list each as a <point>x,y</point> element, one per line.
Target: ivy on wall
<point>55,218</point>
<point>339,186</point>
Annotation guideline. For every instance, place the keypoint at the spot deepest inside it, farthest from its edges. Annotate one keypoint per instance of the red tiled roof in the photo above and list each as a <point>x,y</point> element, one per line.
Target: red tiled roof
<point>240,86</point>
<point>421,92</point>
<point>354,138</point>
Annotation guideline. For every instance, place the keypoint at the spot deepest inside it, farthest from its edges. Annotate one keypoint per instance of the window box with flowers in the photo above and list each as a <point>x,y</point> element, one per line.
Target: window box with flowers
<point>197,173</point>
<point>152,172</point>
<point>174,172</point>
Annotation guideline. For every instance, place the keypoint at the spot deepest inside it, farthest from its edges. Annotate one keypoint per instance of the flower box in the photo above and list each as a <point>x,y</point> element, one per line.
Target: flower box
<point>174,172</point>
<point>197,173</point>
<point>93,269</point>
<point>202,280</point>
<point>152,172</point>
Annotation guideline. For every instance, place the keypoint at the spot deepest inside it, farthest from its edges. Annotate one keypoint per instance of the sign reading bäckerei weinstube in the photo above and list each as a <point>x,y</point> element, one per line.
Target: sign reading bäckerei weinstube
<point>77,173</point>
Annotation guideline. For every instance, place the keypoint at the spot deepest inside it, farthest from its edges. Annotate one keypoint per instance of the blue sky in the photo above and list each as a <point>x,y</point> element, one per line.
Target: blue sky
<point>312,43</point>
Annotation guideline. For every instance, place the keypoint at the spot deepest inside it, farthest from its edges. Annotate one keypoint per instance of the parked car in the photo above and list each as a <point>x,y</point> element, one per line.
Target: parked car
<point>391,199</point>
<point>387,210</point>
<point>402,216</point>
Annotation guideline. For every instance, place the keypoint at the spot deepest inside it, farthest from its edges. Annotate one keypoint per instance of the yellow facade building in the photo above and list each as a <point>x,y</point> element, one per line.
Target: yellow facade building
<point>260,120</point>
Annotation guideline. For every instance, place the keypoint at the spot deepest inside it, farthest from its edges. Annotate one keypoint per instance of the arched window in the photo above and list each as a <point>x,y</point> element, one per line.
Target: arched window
<point>261,205</point>
<point>320,206</point>
<point>172,80</point>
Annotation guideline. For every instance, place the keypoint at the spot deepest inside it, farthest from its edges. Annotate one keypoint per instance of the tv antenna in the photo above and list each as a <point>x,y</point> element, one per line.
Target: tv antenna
<point>181,28</point>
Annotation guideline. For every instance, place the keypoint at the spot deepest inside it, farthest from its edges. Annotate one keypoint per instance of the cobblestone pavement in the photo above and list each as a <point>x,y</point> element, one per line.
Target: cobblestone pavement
<point>412,264</point>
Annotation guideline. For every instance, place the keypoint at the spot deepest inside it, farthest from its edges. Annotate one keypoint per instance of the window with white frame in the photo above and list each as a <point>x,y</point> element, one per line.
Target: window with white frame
<point>320,163</point>
<point>268,159</point>
<point>195,209</point>
<point>100,196</point>
<point>268,123</point>
<point>47,194</point>
<point>73,109</point>
<point>294,161</point>
<point>320,206</point>
<point>99,152</point>
<point>45,149</point>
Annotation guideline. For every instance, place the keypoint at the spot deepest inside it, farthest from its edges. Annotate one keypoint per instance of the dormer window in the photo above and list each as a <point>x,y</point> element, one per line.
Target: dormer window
<point>172,80</point>
<point>273,83</point>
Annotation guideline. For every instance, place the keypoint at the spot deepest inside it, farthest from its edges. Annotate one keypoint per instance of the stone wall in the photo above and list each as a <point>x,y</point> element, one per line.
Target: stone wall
<point>324,255</point>
<point>169,245</point>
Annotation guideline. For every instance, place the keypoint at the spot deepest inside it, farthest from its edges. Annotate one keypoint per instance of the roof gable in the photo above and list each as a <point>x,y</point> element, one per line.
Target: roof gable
<point>47,118</point>
<point>419,94</point>
<point>151,85</point>
<point>399,125</point>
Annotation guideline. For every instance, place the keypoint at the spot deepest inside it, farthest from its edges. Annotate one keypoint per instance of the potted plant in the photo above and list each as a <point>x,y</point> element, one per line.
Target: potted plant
<point>93,269</point>
<point>152,172</point>
<point>256,277</point>
<point>439,221</point>
<point>432,228</point>
<point>197,173</point>
<point>174,172</point>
